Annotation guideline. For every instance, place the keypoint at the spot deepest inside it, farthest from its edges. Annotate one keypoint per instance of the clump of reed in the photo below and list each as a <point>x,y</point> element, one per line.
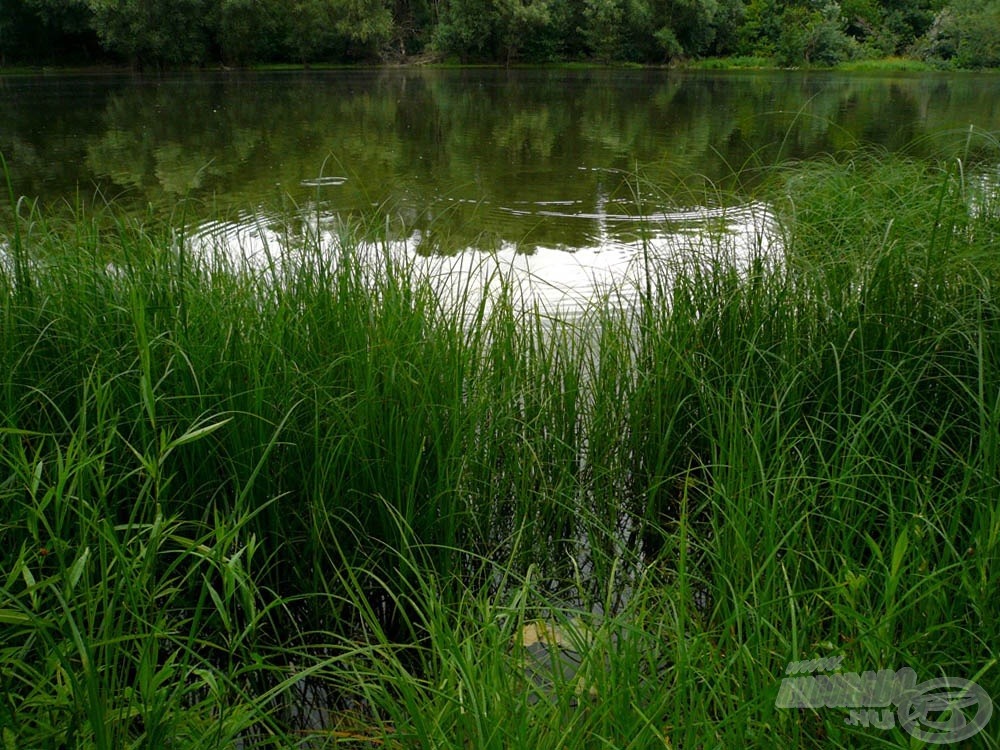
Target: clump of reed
<point>235,497</point>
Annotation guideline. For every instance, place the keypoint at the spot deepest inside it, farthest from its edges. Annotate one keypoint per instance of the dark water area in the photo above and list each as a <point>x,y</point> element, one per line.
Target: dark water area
<point>464,158</point>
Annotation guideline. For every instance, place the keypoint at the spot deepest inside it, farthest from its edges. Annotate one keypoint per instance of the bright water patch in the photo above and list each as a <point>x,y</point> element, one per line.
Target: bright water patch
<point>555,280</point>
<point>324,182</point>
<point>984,194</point>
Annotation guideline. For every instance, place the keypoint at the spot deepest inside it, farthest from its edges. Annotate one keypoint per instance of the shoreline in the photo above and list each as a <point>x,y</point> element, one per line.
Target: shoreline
<point>890,65</point>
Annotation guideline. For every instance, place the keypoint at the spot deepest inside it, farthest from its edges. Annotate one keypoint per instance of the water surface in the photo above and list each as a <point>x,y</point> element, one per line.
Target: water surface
<point>518,162</point>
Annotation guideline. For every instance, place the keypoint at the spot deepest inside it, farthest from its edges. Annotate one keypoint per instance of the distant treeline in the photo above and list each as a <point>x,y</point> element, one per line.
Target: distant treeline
<point>159,33</point>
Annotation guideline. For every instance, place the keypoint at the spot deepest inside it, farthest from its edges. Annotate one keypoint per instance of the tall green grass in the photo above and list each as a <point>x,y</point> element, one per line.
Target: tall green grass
<point>234,496</point>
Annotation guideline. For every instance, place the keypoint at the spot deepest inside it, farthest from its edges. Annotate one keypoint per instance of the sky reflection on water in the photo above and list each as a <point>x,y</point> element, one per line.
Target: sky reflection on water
<point>553,280</point>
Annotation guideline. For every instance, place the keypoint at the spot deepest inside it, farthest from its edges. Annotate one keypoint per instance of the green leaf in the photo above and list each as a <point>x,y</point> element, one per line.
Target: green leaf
<point>899,552</point>
<point>196,434</point>
<point>13,617</point>
<point>79,564</point>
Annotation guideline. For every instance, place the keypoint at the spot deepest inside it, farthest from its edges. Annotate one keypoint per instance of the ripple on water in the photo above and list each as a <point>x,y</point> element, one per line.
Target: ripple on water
<point>563,281</point>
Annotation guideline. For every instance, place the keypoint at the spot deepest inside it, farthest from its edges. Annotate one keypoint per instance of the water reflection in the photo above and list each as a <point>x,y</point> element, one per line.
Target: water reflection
<point>582,170</point>
<point>557,281</point>
<point>413,140</point>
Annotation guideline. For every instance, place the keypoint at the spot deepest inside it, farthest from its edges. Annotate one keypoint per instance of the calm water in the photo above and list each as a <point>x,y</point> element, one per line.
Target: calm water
<point>523,162</point>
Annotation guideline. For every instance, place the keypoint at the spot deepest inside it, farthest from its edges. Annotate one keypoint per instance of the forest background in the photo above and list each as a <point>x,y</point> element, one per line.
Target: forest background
<point>152,34</point>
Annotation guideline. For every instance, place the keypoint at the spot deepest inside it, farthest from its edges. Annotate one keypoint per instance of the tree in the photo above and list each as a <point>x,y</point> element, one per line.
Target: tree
<point>248,30</point>
<point>65,16</point>
<point>566,19</point>
<point>468,28</point>
<point>309,28</point>
<point>365,24</point>
<point>155,32</point>
<point>761,28</point>
<point>965,33</point>
<point>46,30</point>
<point>688,26</point>
<point>813,36</point>
<point>726,22</point>
<point>909,20</point>
<point>413,24</point>
<point>12,24</point>
<point>617,29</point>
<point>522,25</point>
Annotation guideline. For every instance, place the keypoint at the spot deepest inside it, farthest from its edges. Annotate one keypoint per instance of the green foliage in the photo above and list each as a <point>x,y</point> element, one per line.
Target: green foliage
<point>695,28</point>
<point>617,29</point>
<point>761,28</point>
<point>366,24</point>
<point>227,488</point>
<point>68,16</point>
<point>155,32</point>
<point>492,29</point>
<point>465,29</point>
<point>524,25</point>
<point>669,43</point>
<point>887,65</point>
<point>414,21</point>
<point>813,37</point>
<point>158,33</point>
<point>966,34</point>
<point>248,30</point>
<point>910,19</point>
<point>12,23</point>
<point>45,31</point>
<point>309,28</point>
<point>726,21</point>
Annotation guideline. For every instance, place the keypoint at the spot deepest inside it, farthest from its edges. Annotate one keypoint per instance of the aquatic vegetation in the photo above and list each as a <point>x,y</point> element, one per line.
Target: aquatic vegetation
<point>299,504</point>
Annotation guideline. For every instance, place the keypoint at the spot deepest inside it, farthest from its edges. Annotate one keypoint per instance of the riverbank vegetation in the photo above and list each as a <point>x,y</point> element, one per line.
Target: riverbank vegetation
<point>157,33</point>
<point>303,505</point>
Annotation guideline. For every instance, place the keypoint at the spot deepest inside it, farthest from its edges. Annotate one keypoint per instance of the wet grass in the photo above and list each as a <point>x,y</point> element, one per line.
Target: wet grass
<point>302,505</point>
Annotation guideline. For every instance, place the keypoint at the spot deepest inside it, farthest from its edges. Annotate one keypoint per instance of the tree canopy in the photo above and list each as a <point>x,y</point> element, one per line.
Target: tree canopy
<point>158,33</point>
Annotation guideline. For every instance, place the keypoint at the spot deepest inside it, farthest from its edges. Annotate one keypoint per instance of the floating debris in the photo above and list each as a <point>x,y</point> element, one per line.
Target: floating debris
<point>553,656</point>
<point>324,182</point>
